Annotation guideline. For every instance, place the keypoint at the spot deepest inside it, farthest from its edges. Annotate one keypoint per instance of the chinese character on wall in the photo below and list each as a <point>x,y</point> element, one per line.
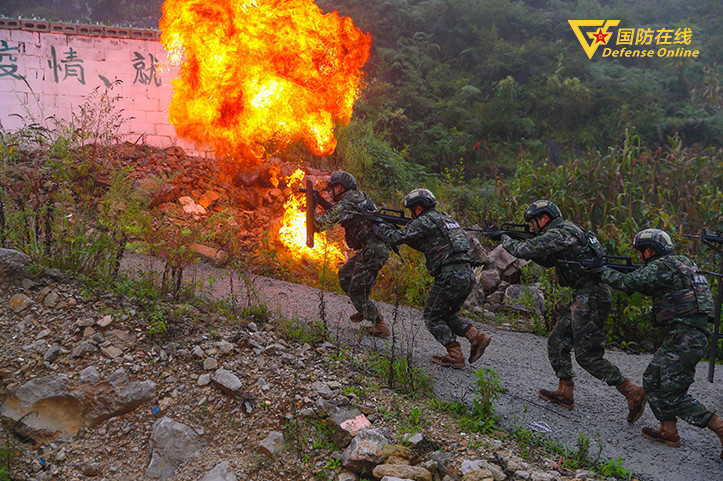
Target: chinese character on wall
<point>8,57</point>
<point>145,75</point>
<point>70,65</point>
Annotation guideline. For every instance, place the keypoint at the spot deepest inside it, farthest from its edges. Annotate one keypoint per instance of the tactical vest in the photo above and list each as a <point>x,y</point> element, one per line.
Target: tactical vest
<point>589,247</point>
<point>357,229</point>
<point>691,295</point>
<point>455,247</point>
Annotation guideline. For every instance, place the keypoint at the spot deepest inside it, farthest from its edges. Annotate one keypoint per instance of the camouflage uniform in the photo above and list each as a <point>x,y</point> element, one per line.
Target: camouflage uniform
<point>445,246</point>
<point>359,274</point>
<point>581,327</point>
<point>682,304</point>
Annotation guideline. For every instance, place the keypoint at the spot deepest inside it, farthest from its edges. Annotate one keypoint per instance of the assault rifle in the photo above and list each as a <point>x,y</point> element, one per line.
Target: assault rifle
<point>714,242</point>
<point>395,217</point>
<point>516,231</point>
<point>708,239</point>
<point>619,263</point>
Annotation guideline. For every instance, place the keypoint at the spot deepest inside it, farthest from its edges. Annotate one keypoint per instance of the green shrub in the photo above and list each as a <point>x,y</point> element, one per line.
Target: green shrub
<point>404,279</point>
<point>482,418</point>
<point>408,379</point>
<point>301,331</point>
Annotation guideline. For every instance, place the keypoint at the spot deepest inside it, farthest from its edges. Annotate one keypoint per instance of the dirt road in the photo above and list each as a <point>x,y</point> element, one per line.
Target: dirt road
<point>521,361</point>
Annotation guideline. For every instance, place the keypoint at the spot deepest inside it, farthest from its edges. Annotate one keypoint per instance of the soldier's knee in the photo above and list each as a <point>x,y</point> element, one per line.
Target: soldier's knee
<point>648,386</point>
<point>555,343</point>
<point>593,365</point>
<point>650,376</point>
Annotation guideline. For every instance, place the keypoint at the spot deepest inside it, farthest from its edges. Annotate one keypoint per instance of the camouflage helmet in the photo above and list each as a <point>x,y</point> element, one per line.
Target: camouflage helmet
<point>542,207</point>
<point>657,239</point>
<point>423,197</point>
<point>345,179</point>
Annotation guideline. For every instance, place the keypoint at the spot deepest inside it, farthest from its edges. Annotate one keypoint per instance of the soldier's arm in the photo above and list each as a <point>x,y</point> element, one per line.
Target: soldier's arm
<point>411,233</point>
<point>647,279</point>
<point>331,217</point>
<point>544,245</point>
<point>322,201</point>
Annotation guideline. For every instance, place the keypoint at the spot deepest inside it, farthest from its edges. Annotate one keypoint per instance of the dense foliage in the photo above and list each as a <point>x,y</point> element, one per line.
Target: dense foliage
<point>490,81</point>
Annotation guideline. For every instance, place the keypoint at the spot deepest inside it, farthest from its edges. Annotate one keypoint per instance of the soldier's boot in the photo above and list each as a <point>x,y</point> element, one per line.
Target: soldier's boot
<point>636,399</point>
<point>478,342</point>
<point>356,317</point>
<point>453,358</point>
<point>563,396</point>
<point>379,329</point>
<point>668,433</point>
<point>716,425</point>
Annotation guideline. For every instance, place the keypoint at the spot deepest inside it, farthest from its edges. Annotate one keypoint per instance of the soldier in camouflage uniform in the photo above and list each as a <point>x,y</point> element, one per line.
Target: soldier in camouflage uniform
<point>358,275</point>
<point>581,326</point>
<point>683,306</point>
<point>446,249</point>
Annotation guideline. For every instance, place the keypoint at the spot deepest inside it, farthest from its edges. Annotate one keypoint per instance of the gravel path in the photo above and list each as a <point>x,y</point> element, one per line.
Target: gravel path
<point>521,361</point>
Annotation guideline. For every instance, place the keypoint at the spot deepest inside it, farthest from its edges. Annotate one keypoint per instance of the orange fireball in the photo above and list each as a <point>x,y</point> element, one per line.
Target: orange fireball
<point>261,74</point>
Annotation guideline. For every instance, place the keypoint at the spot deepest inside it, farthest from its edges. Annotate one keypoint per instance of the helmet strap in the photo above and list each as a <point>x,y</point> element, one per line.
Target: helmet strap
<point>539,228</point>
<point>414,212</point>
<point>337,197</point>
<point>648,255</point>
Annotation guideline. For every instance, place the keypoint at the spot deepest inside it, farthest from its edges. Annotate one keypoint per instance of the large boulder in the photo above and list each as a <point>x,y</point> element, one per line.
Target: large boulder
<point>171,445</point>
<point>402,471</point>
<point>44,408</point>
<point>221,472</point>
<point>487,279</point>
<point>524,298</point>
<point>215,257</point>
<point>365,451</point>
<point>478,253</point>
<point>499,259</point>
<point>13,266</point>
<point>55,406</point>
<point>156,191</point>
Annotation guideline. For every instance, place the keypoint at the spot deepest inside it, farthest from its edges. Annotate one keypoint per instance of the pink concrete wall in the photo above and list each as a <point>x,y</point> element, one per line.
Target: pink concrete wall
<point>50,70</point>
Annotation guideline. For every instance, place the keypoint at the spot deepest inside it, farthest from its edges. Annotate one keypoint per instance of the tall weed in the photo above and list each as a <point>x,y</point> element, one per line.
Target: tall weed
<point>64,198</point>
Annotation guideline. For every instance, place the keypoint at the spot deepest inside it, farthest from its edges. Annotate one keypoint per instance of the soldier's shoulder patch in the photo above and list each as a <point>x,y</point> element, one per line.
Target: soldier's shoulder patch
<point>450,223</point>
<point>355,196</point>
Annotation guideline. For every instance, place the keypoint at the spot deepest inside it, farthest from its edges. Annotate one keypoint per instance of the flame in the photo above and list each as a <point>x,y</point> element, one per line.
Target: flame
<point>261,74</point>
<point>293,229</point>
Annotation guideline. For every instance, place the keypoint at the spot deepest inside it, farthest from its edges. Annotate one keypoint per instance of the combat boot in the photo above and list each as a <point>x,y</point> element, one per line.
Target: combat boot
<point>478,342</point>
<point>563,396</point>
<point>716,425</point>
<point>453,358</point>
<point>356,317</point>
<point>636,399</point>
<point>668,433</point>
<point>379,329</point>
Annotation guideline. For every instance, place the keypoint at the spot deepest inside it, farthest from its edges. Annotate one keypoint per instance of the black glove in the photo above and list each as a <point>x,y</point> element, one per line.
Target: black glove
<point>593,267</point>
<point>320,200</point>
<point>378,224</point>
